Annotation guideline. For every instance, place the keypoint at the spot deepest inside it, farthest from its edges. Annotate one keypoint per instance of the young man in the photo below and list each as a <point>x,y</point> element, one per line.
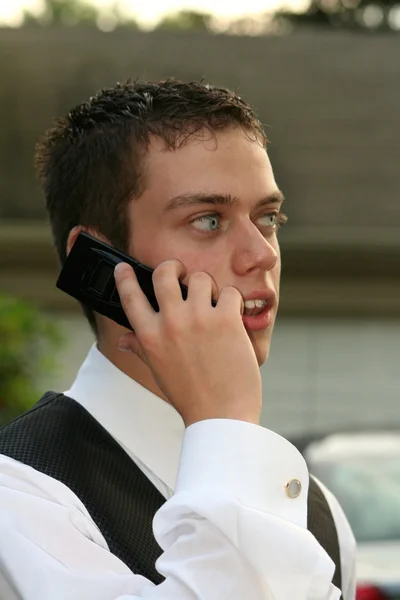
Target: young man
<point>177,175</point>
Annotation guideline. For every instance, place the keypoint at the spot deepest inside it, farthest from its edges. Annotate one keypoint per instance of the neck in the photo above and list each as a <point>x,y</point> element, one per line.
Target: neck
<point>127,362</point>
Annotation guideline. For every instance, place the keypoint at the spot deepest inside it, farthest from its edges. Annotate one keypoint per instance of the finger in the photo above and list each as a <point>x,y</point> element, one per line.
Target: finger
<point>230,299</point>
<point>130,343</point>
<point>166,284</point>
<point>201,289</point>
<point>134,302</point>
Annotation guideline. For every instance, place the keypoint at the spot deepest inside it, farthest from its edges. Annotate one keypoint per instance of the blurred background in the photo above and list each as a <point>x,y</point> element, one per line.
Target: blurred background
<point>324,76</point>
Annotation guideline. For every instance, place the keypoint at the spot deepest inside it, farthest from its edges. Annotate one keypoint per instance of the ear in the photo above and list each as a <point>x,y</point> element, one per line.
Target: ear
<point>73,234</point>
<point>75,231</point>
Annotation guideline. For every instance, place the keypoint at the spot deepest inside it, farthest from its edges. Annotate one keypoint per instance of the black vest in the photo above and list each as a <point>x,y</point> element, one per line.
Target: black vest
<point>59,438</point>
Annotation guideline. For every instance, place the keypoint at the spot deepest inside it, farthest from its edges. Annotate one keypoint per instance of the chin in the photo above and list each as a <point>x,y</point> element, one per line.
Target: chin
<point>261,343</point>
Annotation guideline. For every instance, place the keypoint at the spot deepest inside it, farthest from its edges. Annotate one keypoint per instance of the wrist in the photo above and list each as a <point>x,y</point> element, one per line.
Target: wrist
<point>245,415</point>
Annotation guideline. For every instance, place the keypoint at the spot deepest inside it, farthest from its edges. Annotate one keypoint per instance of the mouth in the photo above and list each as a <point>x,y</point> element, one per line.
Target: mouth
<point>258,311</point>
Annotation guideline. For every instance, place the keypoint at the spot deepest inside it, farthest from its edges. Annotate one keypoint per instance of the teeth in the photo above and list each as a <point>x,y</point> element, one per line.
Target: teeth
<point>254,307</point>
<point>249,304</point>
<point>254,303</point>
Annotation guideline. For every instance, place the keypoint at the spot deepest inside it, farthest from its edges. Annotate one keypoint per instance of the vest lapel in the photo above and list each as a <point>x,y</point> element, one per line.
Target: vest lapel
<point>321,524</point>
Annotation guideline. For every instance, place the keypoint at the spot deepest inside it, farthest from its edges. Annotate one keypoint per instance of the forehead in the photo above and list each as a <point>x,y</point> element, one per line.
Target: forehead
<point>225,162</point>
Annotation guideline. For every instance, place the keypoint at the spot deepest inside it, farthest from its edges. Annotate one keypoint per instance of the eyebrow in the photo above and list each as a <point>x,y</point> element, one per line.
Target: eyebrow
<point>193,199</point>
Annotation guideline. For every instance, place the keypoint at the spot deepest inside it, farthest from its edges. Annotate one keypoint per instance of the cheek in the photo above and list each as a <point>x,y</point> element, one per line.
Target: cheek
<point>166,246</point>
<point>203,261</point>
<point>277,268</point>
<point>152,247</point>
<point>276,271</point>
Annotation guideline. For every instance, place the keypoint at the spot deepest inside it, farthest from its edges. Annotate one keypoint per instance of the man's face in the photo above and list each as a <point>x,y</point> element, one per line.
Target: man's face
<point>178,216</point>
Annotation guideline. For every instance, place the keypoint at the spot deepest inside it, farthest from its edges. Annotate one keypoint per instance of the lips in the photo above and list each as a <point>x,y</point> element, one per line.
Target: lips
<point>253,318</point>
<point>260,321</point>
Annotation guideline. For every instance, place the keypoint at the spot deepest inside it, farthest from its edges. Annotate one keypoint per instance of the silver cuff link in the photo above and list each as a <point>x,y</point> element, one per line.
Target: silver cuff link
<point>293,488</point>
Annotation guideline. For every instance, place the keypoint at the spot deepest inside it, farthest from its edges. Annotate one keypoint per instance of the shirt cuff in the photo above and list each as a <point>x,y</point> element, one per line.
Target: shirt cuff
<point>246,461</point>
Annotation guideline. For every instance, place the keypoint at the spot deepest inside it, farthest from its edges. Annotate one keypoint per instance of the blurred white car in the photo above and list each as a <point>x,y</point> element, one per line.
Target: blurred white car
<point>363,471</point>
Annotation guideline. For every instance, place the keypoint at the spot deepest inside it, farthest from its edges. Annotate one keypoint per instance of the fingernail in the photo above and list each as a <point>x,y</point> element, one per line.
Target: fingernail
<point>121,266</point>
<point>124,348</point>
<point>123,345</point>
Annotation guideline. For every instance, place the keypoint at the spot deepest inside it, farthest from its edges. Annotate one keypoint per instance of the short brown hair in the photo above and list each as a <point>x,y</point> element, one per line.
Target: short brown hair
<point>89,163</point>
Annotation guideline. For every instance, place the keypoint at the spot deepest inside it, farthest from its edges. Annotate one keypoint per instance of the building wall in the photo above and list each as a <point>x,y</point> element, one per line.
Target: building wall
<point>329,100</point>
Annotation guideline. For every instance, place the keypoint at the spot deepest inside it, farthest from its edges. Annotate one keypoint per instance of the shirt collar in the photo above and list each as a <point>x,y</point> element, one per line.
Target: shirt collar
<point>145,425</point>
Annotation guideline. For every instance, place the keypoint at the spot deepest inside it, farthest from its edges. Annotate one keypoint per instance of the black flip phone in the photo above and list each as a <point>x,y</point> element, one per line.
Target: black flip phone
<point>88,276</point>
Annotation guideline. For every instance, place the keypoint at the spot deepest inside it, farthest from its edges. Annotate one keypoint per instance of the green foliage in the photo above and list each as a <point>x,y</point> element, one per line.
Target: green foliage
<point>28,345</point>
<point>83,12</point>
<point>64,12</point>
<point>367,15</point>
<point>186,20</point>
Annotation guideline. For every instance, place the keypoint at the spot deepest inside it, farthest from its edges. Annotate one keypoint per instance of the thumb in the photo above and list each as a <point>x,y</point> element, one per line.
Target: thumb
<point>129,343</point>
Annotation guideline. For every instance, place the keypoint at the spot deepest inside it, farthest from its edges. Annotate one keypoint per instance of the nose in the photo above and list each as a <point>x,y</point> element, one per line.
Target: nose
<point>253,251</point>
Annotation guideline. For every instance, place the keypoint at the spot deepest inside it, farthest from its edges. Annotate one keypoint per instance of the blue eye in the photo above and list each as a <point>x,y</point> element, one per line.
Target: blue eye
<point>207,223</point>
<point>269,220</point>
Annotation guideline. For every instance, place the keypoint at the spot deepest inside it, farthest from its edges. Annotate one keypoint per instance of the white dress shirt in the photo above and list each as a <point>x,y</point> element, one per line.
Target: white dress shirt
<point>228,529</point>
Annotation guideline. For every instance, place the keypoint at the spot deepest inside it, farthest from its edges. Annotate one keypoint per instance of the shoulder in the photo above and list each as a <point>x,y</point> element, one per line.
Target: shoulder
<point>26,491</point>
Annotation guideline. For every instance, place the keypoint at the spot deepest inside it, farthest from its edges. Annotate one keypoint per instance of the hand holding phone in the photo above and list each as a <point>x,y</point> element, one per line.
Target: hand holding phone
<point>88,276</point>
<point>197,349</point>
<point>201,356</point>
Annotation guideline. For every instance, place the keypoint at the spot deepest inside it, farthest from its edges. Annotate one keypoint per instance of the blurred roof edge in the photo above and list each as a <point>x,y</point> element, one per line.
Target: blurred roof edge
<point>363,238</point>
<point>326,272</point>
